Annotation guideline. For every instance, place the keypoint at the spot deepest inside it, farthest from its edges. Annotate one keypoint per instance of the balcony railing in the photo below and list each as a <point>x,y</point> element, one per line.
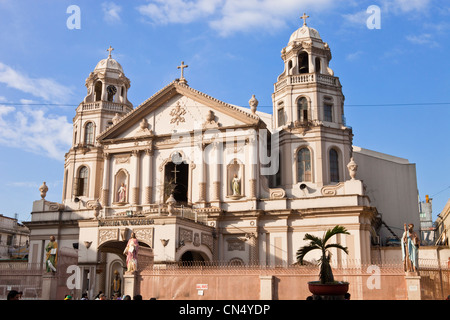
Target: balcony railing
<point>105,105</point>
<point>307,78</point>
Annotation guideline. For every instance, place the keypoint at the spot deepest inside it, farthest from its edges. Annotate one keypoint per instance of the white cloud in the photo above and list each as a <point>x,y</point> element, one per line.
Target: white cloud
<point>353,56</point>
<point>358,18</point>
<point>111,12</point>
<point>34,131</point>
<point>178,11</point>
<point>423,39</point>
<point>229,16</point>
<point>44,88</point>
<point>406,5</point>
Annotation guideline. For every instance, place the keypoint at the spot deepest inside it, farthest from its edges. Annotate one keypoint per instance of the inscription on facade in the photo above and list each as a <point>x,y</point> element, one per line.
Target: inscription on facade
<point>125,222</point>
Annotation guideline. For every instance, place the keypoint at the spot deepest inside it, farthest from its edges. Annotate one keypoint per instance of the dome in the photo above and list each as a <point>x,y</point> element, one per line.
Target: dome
<point>108,64</point>
<point>305,32</point>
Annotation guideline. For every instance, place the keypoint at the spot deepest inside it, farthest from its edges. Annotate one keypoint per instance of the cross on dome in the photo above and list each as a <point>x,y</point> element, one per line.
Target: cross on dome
<point>304,17</point>
<point>109,49</point>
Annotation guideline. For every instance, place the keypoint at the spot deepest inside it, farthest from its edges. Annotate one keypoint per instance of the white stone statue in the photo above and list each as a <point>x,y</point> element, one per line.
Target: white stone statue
<point>122,193</point>
<point>236,185</point>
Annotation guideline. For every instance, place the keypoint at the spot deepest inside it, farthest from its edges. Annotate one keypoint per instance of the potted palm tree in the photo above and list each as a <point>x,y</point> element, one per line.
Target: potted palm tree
<point>326,286</point>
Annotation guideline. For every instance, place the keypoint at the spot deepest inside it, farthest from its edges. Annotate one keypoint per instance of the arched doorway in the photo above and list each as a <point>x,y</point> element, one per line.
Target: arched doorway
<point>112,259</point>
<point>191,257</point>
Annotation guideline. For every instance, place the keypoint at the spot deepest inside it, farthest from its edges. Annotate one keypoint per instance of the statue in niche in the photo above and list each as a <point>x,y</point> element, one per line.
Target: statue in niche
<point>236,185</point>
<point>116,283</point>
<point>122,193</point>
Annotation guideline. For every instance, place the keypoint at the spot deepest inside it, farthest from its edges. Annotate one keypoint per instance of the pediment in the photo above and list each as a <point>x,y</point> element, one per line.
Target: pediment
<point>179,108</point>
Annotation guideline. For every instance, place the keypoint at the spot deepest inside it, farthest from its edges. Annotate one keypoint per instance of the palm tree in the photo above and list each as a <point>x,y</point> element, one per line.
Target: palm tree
<point>316,243</point>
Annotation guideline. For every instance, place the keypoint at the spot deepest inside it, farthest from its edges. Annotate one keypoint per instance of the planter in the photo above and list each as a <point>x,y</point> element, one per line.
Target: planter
<point>328,289</point>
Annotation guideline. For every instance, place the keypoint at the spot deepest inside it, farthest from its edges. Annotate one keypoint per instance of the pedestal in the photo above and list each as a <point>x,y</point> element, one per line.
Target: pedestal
<point>129,284</point>
<point>49,285</point>
<point>266,287</point>
<point>413,287</point>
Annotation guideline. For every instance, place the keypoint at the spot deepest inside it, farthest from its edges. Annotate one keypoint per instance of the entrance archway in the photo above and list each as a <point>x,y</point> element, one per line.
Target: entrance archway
<point>193,257</point>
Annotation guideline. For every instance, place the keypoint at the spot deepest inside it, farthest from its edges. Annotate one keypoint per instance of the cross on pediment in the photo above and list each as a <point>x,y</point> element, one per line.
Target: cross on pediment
<point>182,69</point>
<point>304,17</point>
<point>109,49</point>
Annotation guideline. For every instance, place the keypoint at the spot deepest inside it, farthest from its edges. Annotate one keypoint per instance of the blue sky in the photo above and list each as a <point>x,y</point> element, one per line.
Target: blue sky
<point>395,79</point>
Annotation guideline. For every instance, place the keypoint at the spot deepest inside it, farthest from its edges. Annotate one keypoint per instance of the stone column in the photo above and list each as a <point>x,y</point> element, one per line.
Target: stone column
<point>216,176</point>
<point>201,175</point>
<point>253,156</point>
<point>104,93</point>
<point>134,190</point>
<point>254,252</point>
<point>106,179</point>
<point>147,178</point>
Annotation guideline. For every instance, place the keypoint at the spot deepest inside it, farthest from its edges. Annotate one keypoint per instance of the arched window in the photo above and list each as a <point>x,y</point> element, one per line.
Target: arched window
<point>334,165</point>
<point>89,134</point>
<point>281,116</point>
<point>98,91</point>
<point>318,65</point>
<point>304,165</point>
<point>303,62</point>
<point>81,188</point>
<point>302,109</point>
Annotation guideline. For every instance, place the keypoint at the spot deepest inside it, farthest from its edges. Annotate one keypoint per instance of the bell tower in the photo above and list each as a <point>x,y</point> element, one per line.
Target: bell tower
<point>106,102</point>
<point>308,107</point>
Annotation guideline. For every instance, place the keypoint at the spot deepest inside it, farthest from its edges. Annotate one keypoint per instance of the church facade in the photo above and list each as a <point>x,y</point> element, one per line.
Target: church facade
<point>198,179</point>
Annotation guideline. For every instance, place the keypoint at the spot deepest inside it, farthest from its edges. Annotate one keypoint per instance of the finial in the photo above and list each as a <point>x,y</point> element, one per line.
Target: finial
<point>109,49</point>
<point>253,102</point>
<point>304,17</point>
<point>43,189</point>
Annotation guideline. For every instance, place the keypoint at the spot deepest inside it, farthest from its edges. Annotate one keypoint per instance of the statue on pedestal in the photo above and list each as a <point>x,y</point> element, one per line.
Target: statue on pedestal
<point>410,249</point>
<point>131,251</point>
<point>51,255</point>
